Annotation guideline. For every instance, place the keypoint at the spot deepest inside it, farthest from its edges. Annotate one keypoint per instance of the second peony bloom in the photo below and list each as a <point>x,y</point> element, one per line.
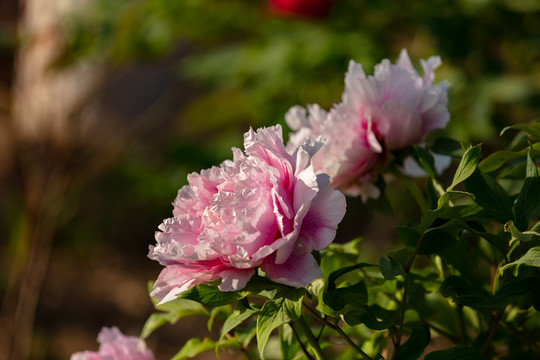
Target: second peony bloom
<point>388,111</point>
<point>266,208</point>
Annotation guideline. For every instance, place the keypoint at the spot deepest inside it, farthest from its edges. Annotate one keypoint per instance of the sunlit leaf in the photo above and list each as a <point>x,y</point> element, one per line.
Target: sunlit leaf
<point>532,129</point>
<point>194,347</point>
<point>275,313</point>
<point>239,315</point>
<point>531,258</point>
<point>211,295</point>
<point>170,312</point>
<point>467,166</point>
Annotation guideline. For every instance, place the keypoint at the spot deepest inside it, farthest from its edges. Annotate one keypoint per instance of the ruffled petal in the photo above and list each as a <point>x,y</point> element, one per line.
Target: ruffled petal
<point>235,279</point>
<point>321,222</point>
<point>300,269</point>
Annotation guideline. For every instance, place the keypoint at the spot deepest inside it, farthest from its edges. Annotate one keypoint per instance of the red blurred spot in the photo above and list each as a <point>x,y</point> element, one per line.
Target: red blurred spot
<point>308,8</point>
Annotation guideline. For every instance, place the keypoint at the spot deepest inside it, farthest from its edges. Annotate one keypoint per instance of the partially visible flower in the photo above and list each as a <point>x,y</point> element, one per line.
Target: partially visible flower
<point>309,8</point>
<point>267,208</point>
<point>388,111</point>
<point>116,346</point>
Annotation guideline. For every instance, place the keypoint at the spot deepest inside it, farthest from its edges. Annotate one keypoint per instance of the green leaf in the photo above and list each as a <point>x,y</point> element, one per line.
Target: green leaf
<point>459,211</point>
<point>390,267</point>
<point>528,201</point>
<point>425,159</point>
<point>427,220</point>
<point>507,294</point>
<point>239,315</point>
<point>415,345</point>
<point>317,286</point>
<point>171,312</point>
<point>220,312</point>
<point>465,144</point>
<point>459,255</point>
<point>494,161</point>
<point>532,129</point>
<point>467,166</point>
<point>353,296</point>
<point>517,235</point>
<point>211,295</point>
<point>455,286</point>
<point>490,196</point>
<point>531,258</point>
<point>274,313</point>
<point>447,146</point>
<point>374,317</point>
<point>194,347</point>
<point>408,234</point>
<point>336,274</point>
<point>450,195</point>
<point>434,241</point>
<point>456,353</point>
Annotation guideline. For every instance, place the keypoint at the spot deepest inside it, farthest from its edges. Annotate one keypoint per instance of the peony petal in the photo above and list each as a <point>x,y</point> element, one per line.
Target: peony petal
<point>175,279</point>
<point>116,346</point>
<point>296,118</point>
<point>320,224</point>
<point>299,270</point>
<point>236,279</point>
<point>406,124</point>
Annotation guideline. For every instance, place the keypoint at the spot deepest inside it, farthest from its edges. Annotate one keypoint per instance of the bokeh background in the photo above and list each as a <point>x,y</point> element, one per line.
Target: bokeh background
<point>107,105</point>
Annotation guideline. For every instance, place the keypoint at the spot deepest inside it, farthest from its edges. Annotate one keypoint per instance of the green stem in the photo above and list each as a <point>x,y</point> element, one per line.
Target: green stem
<point>308,355</point>
<point>413,188</point>
<point>399,330</point>
<point>350,342</point>
<point>460,325</point>
<point>447,335</point>
<point>319,354</point>
<point>407,270</point>
<point>493,327</point>
<point>318,317</point>
<point>336,327</point>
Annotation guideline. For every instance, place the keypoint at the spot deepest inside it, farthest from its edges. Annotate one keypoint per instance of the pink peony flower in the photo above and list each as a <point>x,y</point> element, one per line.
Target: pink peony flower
<point>116,346</point>
<point>388,111</point>
<point>265,208</point>
<point>309,8</point>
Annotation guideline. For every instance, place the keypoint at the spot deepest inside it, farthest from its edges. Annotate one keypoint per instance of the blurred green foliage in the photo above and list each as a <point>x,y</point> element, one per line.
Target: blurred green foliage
<point>255,65</point>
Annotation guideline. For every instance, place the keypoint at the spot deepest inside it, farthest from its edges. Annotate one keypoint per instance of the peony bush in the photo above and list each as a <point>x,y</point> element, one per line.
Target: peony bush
<point>250,243</point>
